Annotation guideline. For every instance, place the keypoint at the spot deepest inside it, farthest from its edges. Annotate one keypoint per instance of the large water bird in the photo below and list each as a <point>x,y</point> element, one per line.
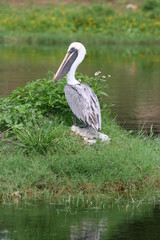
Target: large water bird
<point>80,97</point>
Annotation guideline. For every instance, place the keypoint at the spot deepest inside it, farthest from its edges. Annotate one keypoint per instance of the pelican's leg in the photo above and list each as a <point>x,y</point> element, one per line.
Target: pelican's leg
<point>85,125</point>
<point>75,120</point>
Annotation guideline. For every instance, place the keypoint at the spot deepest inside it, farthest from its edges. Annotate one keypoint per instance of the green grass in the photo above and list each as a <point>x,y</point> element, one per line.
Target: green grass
<point>126,168</point>
<point>41,159</point>
<point>96,23</point>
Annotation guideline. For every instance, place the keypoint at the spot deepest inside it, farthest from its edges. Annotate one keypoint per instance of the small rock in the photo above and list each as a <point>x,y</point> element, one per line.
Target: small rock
<point>17,195</point>
<point>89,134</point>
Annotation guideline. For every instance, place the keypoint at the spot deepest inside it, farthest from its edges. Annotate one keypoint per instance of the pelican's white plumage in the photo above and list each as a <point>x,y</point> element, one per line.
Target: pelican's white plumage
<point>80,97</point>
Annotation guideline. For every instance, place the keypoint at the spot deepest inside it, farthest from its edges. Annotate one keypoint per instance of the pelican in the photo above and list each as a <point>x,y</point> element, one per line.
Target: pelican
<point>81,99</point>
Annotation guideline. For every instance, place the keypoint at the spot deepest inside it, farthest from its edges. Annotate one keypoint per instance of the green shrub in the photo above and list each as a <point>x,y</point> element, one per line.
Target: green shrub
<point>39,99</point>
<point>30,103</point>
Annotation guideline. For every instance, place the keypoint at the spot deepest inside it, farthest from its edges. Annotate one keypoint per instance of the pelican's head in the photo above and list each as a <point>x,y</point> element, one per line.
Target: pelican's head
<point>75,55</point>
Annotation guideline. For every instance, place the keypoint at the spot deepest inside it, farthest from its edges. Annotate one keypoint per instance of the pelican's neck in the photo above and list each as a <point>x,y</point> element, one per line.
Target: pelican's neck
<point>71,74</point>
<point>71,77</point>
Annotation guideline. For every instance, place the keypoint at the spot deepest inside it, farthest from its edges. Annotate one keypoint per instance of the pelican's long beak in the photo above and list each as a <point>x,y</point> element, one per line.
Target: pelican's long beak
<point>66,63</point>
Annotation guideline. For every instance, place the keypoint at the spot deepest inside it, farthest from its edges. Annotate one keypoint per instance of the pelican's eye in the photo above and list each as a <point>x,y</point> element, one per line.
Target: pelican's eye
<point>72,50</point>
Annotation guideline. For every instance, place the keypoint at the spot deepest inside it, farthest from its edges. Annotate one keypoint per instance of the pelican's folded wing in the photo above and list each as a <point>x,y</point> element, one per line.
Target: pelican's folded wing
<point>84,104</point>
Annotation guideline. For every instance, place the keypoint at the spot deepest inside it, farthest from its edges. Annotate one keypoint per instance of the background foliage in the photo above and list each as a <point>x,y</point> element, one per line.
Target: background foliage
<point>61,23</point>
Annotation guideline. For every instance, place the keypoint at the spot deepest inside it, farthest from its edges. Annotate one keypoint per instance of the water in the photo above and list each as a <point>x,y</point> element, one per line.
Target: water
<point>134,85</point>
<point>134,88</point>
<point>46,221</point>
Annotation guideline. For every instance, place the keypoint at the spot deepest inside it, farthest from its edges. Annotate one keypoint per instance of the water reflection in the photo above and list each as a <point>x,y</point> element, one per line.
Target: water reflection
<point>92,229</point>
<point>144,228</point>
<point>87,230</point>
<point>48,221</point>
<point>133,88</point>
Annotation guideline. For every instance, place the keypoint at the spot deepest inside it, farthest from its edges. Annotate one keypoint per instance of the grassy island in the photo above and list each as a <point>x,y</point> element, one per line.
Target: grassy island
<point>41,159</point>
<point>39,156</point>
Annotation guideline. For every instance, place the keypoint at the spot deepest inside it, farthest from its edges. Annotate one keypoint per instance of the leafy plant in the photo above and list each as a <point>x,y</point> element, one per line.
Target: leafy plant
<point>39,99</point>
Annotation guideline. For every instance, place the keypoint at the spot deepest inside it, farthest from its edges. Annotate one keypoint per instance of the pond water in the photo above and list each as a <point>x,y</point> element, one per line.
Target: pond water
<point>134,86</point>
<point>47,221</point>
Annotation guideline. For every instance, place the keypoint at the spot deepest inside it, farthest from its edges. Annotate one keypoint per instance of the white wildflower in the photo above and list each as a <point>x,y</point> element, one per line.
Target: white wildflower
<point>97,73</point>
<point>103,76</point>
<point>109,75</point>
